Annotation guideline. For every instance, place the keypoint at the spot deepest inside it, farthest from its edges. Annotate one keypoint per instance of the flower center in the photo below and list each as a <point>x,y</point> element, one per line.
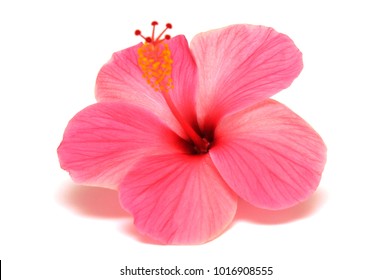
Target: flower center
<point>155,62</point>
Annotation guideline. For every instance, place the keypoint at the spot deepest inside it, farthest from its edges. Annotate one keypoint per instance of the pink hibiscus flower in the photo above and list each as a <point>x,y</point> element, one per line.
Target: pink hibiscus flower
<point>183,131</point>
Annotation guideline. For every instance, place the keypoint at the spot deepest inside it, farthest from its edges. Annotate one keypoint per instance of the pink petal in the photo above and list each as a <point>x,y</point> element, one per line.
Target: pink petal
<point>121,79</point>
<point>103,141</point>
<point>269,156</point>
<point>178,199</point>
<point>240,65</point>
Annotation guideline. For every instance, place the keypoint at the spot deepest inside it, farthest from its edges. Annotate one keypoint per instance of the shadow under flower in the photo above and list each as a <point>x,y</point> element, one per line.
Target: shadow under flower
<point>103,203</point>
<point>92,201</point>
<point>249,213</point>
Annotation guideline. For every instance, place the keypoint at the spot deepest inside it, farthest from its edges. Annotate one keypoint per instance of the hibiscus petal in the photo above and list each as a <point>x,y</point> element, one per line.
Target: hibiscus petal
<point>178,199</point>
<point>103,141</point>
<point>240,65</point>
<point>268,155</point>
<point>121,79</point>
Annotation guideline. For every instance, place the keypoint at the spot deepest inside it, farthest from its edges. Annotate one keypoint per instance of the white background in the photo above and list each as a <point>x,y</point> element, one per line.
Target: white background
<point>51,52</point>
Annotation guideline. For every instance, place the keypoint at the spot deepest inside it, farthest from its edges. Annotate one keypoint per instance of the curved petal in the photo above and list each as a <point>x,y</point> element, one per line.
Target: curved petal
<point>178,199</point>
<point>103,141</point>
<point>269,156</point>
<point>121,79</point>
<point>240,65</point>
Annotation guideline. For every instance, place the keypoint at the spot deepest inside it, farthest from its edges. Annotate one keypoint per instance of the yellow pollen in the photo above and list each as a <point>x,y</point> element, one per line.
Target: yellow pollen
<point>156,65</point>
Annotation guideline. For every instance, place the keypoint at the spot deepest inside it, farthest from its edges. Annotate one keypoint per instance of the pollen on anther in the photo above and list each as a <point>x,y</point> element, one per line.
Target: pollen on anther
<point>155,59</point>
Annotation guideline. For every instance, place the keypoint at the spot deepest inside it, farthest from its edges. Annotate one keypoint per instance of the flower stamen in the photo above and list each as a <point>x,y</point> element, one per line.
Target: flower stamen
<point>155,63</point>
<point>155,59</point>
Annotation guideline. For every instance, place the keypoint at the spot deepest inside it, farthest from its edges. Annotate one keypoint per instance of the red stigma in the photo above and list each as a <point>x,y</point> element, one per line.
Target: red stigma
<point>152,39</point>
